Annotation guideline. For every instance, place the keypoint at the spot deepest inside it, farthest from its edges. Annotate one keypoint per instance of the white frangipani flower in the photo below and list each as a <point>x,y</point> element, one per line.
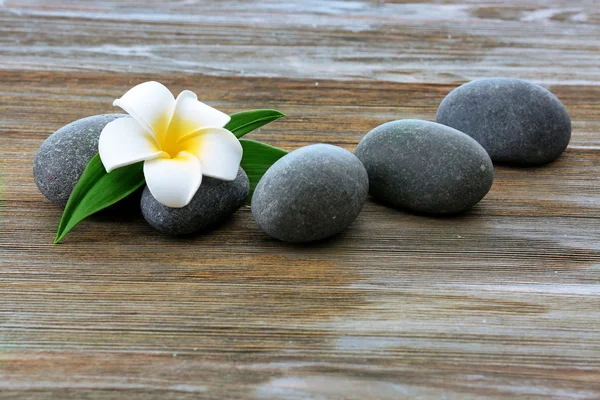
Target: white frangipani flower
<point>179,140</point>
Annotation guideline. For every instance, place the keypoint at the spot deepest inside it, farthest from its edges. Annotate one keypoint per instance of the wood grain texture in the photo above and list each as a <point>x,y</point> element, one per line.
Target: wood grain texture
<point>501,302</point>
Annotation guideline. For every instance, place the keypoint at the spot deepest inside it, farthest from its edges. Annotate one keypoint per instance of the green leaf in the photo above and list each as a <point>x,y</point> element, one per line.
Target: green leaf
<point>247,121</point>
<point>257,159</point>
<point>96,190</point>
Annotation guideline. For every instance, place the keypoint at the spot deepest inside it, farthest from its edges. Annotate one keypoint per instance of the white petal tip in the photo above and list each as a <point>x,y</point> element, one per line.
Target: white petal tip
<point>173,182</point>
<point>227,178</point>
<point>175,203</point>
<point>188,93</point>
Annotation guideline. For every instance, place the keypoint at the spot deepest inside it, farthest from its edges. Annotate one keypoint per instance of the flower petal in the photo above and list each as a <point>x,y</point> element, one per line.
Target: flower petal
<point>218,150</point>
<point>173,181</point>
<point>123,142</point>
<point>191,115</point>
<point>151,104</point>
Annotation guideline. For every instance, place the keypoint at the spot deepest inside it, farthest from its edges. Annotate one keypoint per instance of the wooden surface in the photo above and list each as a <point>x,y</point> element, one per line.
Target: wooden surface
<point>502,302</point>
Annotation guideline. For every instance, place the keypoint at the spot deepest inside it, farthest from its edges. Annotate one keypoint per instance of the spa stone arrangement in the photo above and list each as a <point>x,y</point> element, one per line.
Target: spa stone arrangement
<point>189,172</point>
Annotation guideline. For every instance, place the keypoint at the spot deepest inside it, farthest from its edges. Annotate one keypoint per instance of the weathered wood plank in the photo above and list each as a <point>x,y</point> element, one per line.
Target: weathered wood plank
<point>502,302</point>
<point>545,41</point>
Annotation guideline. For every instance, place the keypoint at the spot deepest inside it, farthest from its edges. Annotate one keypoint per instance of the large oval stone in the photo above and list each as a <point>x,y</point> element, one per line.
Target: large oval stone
<point>516,121</point>
<point>213,203</point>
<point>310,194</point>
<point>63,156</point>
<point>425,167</point>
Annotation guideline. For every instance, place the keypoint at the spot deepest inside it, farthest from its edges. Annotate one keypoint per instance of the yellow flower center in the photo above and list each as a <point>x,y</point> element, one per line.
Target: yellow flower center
<point>171,147</point>
<point>177,137</point>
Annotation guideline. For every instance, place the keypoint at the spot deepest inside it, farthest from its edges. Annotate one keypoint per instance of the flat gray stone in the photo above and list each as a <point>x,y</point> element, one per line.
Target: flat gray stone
<point>213,203</point>
<point>516,121</point>
<point>310,194</point>
<point>63,156</point>
<point>425,167</point>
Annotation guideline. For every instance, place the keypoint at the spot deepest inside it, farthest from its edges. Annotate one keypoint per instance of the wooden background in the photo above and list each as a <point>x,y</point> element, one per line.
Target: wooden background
<point>502,302</point>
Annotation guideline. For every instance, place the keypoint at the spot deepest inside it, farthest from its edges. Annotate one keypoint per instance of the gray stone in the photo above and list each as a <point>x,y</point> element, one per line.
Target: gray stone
<point>516,121</point>
<point>310,194</point>
<point>213,203</point>
<point>63,156</point>
<point>425,167</point>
